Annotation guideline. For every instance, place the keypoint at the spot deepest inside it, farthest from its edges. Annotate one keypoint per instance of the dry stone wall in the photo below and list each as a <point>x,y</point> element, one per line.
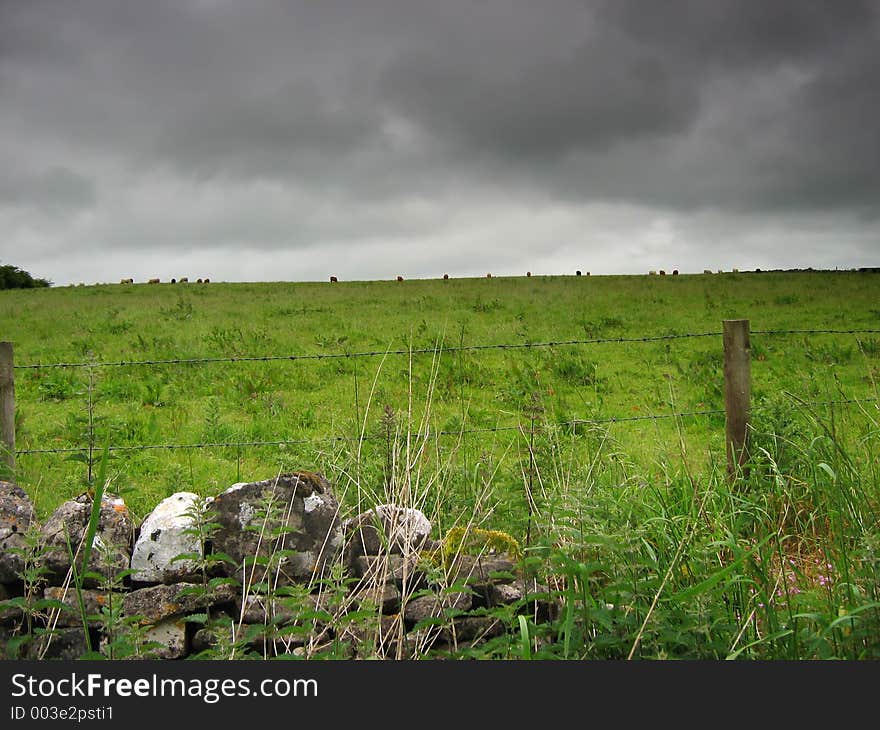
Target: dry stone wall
<point>266,567</point>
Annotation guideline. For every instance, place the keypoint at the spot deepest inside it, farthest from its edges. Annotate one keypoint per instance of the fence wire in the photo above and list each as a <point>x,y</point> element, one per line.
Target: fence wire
<point>428,350</point>
<point>416,435</point>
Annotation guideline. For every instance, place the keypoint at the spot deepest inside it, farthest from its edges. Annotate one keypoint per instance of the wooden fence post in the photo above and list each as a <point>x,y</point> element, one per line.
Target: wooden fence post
<point>7,404</point>
<point>737,394</point>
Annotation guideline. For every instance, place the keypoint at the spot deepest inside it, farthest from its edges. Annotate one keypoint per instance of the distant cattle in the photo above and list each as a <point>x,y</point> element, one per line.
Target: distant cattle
<point>736,271</point>
<point>153,281</point>
<point>662,272</point>
<point>488,276</point>
<point>652,273</point>
<point>198,281</point>
<point>707,271</point>
<point>528,273</point>
<point>183,280</point>
<point>675,272</point>
<point>577,273</point>
<point>127,281</point>
<point>445,276</point>
<point>333,278</point>
<point>206,281</point>
<point>400,278</point>
<point>174,281</point>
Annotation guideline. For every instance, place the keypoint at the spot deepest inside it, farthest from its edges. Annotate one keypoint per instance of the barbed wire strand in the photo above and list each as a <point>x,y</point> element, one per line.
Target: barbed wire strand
<point>428,350</point>
<point>368,353</point>
<point>488,429</point>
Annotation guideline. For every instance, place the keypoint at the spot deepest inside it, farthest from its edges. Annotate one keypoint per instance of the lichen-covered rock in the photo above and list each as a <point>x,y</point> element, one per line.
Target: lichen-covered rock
<point>504,594</point>
<point>9,615</point>
<point>16,516</point>
<point>63,644</point>
<point>305,521</point>
<point>93,602</point>
<point>170,634</point>
<point>536,598</point>
<point>111,548</point>
<point>385,597</point>
<point>165,534</point>
<point>436,606</point>
<point>386,528</point>
<point>405,572</point>
<point>473,629</point>
<point>281,611</point>
<point>481,570</point>
<point>156,603</point>
<point>378,637</point>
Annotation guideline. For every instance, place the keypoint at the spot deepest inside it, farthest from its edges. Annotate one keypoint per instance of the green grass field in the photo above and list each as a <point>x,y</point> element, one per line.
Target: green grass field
<point>636,514</point>
<point>321,400</point>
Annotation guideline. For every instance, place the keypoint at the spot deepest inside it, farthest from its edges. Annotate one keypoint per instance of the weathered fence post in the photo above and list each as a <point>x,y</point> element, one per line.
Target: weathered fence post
<point>7,404</point>
<point>737,394</point>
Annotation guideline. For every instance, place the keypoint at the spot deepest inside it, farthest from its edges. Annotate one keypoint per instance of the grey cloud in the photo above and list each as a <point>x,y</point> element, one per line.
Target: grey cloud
<point>163,118</point>
<point>55,189</point>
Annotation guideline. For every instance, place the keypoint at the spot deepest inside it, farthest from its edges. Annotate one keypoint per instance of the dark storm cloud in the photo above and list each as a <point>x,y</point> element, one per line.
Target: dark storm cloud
<point>53,190</point>
<point>289,125</point>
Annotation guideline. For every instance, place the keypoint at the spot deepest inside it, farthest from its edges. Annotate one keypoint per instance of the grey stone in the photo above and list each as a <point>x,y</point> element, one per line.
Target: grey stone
<point>111,548</point>
<point>262,610</point>
<point>535,598</point>
<point>164,535</point>
<point>474,629</point>
<point>481,570</point>
<point>16,516</point>
<point>436,606</point>
<point>157,603</point>
<point>504,594</point>
<point>8,614</point>
<point>379,637</point>
<point>64,644</point>
<point>93,601</point>
<point>386,528</point>
<point>171,634</point>
<point>385,597</point>
<point>404,572</point>
<point>310,517</point>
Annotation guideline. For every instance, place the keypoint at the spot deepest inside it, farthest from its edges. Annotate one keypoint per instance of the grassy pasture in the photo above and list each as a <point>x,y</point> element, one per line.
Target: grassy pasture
<point>627,511</point>
<point>326,399</point>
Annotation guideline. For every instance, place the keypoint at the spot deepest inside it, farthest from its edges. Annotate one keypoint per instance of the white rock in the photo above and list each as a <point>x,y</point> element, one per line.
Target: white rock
<point>312,502</point>
<point>163,537</point>
<point>406,524</point>
<point>171,634</point>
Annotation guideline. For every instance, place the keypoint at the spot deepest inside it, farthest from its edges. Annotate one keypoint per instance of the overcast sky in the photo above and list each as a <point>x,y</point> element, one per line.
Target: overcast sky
<point>264,141</point>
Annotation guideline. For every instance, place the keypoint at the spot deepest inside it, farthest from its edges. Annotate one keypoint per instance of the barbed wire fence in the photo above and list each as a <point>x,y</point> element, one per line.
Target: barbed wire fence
<point>737,362</point>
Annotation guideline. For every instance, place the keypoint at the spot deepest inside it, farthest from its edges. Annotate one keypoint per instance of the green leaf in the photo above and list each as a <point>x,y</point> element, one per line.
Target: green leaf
<point>525,643</point>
